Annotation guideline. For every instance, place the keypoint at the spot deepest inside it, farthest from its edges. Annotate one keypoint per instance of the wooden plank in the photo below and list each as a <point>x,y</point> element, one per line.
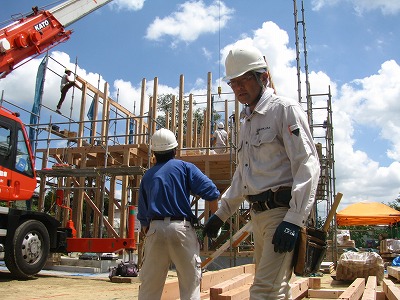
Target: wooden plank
<point>370,289</point>
<point>299,288</point>
<point>212,278</point>
<point>380,295</point>
<point>393,272</point>
<point>250,268</point>
<point>231,284</point>
<point>354,291</point>
<point>314,282</point>
<point>241,293</point>
<point>324,293</point>
<point>385,285</point>
<point>392,292</point>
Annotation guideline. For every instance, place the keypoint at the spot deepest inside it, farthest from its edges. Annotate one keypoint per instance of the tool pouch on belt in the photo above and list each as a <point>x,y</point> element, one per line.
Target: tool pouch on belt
<point>310,251</point>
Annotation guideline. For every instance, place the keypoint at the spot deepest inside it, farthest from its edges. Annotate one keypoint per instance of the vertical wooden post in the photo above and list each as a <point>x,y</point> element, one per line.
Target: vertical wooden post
<point>105,115</point>
<point>189,124</point>
<point>142,99</point>
<point>97,195</point>
<point>128,121</point>
<point>180,116</point>
<point>167,115</point>
<point>207,126</point>
<point>206,129</point>
<point>82,115</point>
<point>80,199</point>
<point>227,122</point>
<point>195,135</point>
<point>124,198</point>
<point>111,199</point>
<point>173,115</point>
<point>154,106</point>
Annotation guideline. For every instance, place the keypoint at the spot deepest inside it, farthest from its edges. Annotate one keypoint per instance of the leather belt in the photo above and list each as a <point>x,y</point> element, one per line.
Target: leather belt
<point>171,218</point>
<point>270,200</point>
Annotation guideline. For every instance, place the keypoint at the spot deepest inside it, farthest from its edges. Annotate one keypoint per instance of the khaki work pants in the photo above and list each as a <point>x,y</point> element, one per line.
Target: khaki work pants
<point>170,242</point>
<point>273,270</point>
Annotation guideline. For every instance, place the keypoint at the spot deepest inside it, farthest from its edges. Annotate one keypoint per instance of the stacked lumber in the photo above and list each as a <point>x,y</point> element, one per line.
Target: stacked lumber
<point>327,267</point>
<point>234,284</point>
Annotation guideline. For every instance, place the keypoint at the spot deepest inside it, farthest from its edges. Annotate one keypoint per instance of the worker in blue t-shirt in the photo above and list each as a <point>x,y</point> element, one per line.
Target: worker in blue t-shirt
<point>166,217</point>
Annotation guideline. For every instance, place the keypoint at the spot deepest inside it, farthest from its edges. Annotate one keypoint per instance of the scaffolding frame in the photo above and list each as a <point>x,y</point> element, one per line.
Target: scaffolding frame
<point>321,129</point>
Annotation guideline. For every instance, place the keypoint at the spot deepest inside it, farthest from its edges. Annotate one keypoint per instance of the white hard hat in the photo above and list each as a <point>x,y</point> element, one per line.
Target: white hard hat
<point>221,125</point>
<point>243,59</point>
<point>163,140</point>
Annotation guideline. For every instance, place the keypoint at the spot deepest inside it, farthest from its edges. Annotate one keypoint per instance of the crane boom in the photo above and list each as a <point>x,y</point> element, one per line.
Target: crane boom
<point>71,11</point>
<point>40,31</point>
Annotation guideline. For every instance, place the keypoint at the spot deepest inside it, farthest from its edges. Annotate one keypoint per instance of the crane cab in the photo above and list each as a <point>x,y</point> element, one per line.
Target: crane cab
<point>17,173</point>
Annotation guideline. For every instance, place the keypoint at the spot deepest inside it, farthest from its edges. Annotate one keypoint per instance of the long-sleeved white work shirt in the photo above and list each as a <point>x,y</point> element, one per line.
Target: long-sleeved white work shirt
<point>65,80</point>
<point>275,149</point>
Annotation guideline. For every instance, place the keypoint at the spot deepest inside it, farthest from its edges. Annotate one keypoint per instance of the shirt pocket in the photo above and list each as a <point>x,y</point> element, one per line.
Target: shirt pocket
<point>265,149</point>
<point>264,138</point>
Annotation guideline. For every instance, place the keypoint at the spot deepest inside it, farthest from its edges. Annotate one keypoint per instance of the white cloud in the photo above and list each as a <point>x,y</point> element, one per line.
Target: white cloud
<point>371,101</point>
<point>207,54</point>
<point>387,7</point>
<point>194,18</point>
<point>128,4</point>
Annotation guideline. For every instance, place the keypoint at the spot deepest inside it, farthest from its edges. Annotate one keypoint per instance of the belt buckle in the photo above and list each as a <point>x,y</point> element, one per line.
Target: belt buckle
<point>260,206</point>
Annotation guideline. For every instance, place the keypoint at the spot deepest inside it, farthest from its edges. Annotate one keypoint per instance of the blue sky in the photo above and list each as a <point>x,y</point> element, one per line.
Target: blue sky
<point>353,48</point>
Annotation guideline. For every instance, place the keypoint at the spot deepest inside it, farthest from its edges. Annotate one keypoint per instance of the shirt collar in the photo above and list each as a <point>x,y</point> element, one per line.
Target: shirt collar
<point>261,105</point>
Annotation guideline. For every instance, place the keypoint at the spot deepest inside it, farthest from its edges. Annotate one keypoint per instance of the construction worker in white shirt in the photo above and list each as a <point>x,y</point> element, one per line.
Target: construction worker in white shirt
<point>220,139</point>
<point>67,81</point>
<point>277,173</point>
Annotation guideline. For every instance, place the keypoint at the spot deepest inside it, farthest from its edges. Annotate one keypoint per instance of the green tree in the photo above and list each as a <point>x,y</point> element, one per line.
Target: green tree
<point>395,204</point>
<point>164,105</point>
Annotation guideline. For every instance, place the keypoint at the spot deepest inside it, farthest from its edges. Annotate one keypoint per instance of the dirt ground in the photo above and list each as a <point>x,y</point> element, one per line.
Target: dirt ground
<point>49,286</point>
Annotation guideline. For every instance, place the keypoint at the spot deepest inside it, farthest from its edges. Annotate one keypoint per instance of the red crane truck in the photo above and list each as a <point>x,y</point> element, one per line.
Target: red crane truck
<point>28,237</point>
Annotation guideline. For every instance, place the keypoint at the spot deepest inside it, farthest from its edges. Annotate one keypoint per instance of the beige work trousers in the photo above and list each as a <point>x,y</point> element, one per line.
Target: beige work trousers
<point>273,270</point>
<point>170,242</point>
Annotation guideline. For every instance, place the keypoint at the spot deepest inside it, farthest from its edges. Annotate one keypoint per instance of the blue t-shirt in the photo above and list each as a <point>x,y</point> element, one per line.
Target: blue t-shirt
<point>165,190</point>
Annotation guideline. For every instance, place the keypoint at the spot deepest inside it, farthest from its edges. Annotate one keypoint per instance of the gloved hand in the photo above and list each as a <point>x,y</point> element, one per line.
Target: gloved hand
<point>285,237</point>
<point>212,226</point>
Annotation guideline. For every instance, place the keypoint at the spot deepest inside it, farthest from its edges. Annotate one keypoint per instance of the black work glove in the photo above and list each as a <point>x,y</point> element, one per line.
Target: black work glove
<point>285,237</point>
<point>212,226</point>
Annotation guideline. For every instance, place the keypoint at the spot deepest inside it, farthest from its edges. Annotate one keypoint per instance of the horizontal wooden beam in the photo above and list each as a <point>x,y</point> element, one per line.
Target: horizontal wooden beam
<point>354,291</point>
